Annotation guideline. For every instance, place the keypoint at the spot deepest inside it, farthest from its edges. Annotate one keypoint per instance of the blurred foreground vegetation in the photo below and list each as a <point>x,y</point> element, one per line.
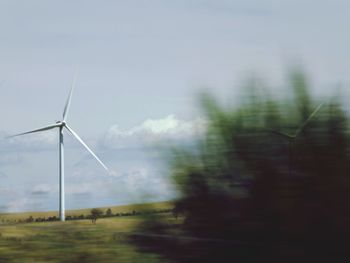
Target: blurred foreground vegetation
<point>269,180</point>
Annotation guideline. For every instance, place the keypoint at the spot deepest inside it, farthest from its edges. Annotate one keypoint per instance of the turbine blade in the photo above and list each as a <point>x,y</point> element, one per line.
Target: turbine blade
<point>66,107</point>
<point>285,135</point>
<point>308,119</point>
<point>84,144</point>
<point>49,127</point>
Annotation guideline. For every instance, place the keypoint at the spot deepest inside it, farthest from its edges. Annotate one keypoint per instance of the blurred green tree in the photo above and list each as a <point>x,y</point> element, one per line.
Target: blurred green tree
<point>237,186</point>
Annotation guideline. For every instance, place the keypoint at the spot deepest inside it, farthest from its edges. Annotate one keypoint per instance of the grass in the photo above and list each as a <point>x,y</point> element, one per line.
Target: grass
<point>115,209</point>
<point>78,240</point>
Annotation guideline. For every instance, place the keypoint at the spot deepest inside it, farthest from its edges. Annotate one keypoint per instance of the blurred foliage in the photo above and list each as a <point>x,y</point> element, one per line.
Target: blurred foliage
<point>257,190</point>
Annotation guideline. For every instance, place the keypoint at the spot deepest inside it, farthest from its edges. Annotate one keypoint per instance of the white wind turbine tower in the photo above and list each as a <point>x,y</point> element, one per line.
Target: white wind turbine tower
<point>61,125</point>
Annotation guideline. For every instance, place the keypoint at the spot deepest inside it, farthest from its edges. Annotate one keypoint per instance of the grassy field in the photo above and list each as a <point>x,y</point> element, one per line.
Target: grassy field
<point>77,241</point>
<point>115,209</point>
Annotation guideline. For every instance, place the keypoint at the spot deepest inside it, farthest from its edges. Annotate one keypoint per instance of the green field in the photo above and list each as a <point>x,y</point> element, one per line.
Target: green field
<point>115,209</point>
<point>78,240</point>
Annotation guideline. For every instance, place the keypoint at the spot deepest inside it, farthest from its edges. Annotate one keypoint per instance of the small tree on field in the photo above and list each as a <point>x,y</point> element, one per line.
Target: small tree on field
<point>109,212</point>
<point>95,213</point>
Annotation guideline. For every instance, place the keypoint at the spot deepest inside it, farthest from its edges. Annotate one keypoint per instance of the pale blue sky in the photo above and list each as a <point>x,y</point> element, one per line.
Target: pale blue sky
<point>140,60</point>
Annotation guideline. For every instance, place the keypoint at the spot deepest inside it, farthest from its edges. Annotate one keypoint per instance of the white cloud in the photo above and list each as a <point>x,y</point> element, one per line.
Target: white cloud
<point>161,126</point>
<point>153,131</point>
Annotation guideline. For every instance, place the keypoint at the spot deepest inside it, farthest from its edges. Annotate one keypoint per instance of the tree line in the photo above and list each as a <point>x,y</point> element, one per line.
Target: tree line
<point>95,213</point>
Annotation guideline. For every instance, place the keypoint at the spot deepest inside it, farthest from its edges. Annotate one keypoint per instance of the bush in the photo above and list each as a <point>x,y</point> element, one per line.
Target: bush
<point>267,173</point>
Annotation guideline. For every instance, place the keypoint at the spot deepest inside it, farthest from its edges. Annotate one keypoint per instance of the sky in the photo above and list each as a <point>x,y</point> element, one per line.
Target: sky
<point>140,67</point>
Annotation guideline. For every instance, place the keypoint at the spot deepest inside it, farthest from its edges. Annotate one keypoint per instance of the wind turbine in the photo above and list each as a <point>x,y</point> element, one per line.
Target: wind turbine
<point>291,137</point>
<point>61,125</point>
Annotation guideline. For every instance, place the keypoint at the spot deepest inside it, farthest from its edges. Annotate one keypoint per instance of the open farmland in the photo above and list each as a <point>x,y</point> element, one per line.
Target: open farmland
<point>124,209</point>
<point>75,241</point>
<point>78,240</point>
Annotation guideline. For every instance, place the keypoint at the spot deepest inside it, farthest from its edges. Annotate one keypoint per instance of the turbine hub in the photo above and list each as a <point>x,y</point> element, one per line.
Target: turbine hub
<point>61,123</point>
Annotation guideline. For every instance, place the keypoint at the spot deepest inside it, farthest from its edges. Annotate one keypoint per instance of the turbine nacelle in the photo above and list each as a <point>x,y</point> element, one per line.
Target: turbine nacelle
<point>61,123</point>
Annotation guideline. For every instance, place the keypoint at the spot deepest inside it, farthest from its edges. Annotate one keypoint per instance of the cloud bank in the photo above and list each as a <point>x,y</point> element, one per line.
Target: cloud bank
<point>153,131</point>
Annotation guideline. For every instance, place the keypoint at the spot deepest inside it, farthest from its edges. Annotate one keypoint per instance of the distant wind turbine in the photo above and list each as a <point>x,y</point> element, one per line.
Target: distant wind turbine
<point>61,125</point>
<point>291,137</point>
